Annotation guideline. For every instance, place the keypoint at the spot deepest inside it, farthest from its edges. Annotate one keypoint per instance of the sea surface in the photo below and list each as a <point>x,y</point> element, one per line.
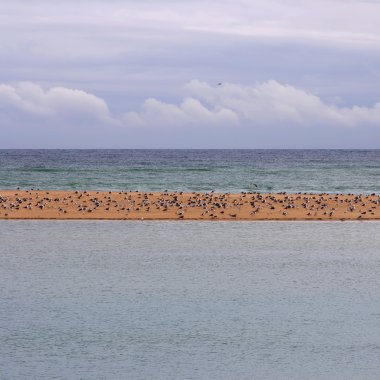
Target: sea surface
<point>334,171</point>
<point>189,300</point>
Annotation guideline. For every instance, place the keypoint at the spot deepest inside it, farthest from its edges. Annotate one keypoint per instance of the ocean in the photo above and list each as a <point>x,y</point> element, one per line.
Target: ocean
<point>334,171</point>
<point>191,299</point>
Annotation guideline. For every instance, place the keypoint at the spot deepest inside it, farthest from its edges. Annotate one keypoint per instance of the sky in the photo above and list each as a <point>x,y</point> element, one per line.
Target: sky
<point>189,74</point>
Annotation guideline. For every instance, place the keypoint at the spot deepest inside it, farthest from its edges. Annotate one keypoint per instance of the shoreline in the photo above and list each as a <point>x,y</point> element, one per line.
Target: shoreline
<point>133,205</point>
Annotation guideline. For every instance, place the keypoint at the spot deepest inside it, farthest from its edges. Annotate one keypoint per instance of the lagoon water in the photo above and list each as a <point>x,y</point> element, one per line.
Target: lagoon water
<point>190,300</point>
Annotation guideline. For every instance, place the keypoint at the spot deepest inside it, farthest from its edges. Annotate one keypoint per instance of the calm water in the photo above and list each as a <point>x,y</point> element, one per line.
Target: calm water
<point>191,300</point>
<point>193,170</point>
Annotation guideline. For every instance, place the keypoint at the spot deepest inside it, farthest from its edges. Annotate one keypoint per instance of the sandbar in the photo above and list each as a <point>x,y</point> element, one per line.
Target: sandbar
<point>168,205</point>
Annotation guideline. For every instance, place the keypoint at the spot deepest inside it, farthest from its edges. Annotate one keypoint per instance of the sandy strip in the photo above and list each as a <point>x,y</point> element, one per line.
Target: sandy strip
<point>41,204</point>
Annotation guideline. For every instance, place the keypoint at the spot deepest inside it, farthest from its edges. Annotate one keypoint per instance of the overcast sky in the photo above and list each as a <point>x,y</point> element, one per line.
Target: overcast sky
<point>146,74</point>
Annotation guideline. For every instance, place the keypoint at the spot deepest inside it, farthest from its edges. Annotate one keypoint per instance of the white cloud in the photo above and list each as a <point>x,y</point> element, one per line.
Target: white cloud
<point>27,103</point>
<point>191,112</point>
<point>229,115</point>
<point>269,104</point>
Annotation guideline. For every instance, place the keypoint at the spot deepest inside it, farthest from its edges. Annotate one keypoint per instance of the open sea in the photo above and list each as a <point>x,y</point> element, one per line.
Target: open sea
<point>341,171</point>
<point>190,299</point>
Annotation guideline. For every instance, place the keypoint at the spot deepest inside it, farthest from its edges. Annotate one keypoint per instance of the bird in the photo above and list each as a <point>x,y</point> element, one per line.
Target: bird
<point>220,83</point>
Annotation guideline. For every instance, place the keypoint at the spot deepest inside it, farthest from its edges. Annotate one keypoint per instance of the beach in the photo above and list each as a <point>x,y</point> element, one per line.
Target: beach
<point>136,205</point>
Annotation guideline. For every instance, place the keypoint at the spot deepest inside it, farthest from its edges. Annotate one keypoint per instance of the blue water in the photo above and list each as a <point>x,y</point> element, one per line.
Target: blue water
<point>189,300</point>
<point>345,171</point>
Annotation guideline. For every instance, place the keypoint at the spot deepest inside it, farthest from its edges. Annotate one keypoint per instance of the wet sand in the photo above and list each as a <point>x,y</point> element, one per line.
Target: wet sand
<point>131,205</point>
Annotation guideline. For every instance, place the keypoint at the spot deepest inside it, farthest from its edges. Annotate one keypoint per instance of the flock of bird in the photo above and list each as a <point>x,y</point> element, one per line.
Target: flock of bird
<point>39,204</point>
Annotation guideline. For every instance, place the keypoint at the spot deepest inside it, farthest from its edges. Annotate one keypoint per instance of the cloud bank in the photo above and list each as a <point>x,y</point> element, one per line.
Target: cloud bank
<point>268,104</point>
<point>261,110</point>
<point>27,103</point>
